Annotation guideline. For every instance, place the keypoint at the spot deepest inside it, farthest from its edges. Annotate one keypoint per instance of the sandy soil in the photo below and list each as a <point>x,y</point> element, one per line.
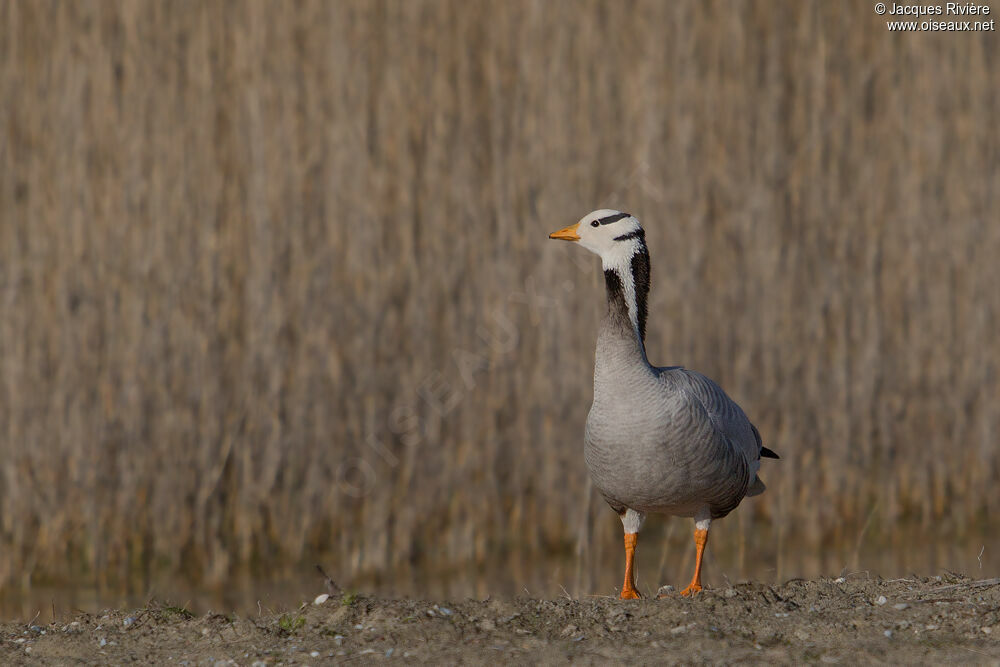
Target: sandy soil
<point>825,620</point>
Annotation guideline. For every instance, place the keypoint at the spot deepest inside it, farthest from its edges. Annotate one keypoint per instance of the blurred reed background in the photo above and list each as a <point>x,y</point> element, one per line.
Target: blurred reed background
<point>275,284</point>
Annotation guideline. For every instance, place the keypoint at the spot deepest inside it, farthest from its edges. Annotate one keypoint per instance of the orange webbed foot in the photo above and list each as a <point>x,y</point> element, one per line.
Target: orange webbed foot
<point>630,594</point>
<point>692,590</point>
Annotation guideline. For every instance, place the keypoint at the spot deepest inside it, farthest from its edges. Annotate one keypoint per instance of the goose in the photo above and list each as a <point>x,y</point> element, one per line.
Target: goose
<point>657,440</point>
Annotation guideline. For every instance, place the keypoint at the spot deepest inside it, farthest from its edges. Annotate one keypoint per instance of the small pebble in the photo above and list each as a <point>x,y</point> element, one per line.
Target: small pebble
<point>839,580</point>
<point>887,633</point>
<point>103,642</point>
<point>314,654</point>
<point>881,600</point>
<point>320,599</point>
<point>128,621</point>
<point>901,606</point>
<point>445,611</point>
<point>987,629</point>
<point>359,627</point>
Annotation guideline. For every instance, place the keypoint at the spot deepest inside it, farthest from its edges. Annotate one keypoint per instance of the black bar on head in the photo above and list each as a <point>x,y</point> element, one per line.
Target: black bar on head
<point>637,234</point>
<point>613,218</point>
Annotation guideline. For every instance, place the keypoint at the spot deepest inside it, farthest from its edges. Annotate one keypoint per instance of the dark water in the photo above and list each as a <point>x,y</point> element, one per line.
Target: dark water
<point>664,556</point>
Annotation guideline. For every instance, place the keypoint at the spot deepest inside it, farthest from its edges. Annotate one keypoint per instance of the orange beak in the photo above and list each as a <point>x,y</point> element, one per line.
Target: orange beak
<point>566,233</point>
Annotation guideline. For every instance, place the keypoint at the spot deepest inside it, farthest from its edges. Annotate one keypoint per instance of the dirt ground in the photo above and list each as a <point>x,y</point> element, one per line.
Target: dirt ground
<point>850,620</point>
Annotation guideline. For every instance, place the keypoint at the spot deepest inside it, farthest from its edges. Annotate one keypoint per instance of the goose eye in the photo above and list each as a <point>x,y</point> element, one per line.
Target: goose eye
<point>594,223</point>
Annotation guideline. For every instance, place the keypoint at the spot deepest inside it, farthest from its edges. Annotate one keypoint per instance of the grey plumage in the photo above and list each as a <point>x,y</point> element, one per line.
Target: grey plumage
<point>666,440</point>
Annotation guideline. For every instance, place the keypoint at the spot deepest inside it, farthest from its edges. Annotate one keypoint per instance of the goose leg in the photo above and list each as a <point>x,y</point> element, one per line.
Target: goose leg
<point>631,522</point>
<point>628,588</point>
<point>701,524</point>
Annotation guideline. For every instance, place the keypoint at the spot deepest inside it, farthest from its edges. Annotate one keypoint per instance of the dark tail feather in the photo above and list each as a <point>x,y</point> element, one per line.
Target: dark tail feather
<point>768,454</point>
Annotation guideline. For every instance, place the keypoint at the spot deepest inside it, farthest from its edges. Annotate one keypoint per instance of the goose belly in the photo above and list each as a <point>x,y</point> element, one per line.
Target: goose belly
<point>671,466</point>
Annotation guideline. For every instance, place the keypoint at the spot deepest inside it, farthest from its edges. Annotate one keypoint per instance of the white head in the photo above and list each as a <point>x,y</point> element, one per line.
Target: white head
<point>620,241</point>
<point>615,236</point>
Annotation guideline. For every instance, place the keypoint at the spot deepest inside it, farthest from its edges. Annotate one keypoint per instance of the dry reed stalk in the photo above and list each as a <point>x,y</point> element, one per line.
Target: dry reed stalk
<point>239,241</point>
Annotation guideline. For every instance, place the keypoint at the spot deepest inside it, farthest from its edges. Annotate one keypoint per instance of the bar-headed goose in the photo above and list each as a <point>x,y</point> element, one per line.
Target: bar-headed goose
<point>665,440</point>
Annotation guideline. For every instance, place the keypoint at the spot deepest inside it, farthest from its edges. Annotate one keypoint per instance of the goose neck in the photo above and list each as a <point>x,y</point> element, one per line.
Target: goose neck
<point>626,278</point>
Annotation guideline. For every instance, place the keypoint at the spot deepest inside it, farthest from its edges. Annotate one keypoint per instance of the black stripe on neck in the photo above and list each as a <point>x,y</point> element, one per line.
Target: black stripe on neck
<point>613,218</point>
<point>640,274</point>
<point>618,305</point>
<point>637,234</point>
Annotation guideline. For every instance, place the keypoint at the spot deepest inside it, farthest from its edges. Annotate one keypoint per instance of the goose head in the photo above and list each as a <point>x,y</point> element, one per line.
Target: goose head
<point>620,241</point>
<point>612,235</point>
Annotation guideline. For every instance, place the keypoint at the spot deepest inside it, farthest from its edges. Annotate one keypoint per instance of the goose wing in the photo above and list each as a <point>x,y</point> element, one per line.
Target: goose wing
<point>726,416</point>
